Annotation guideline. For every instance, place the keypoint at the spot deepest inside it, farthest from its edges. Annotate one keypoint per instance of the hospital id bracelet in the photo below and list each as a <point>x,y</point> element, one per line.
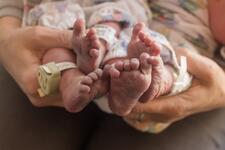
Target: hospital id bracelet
<point>106,33</point>
<point>49,76</point>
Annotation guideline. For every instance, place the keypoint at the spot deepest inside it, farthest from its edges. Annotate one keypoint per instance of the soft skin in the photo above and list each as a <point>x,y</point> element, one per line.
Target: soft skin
<point>21,50</point>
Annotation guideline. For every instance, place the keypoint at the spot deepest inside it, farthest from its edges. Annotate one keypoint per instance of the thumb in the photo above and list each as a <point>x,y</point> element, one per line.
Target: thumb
<point>42,38</point>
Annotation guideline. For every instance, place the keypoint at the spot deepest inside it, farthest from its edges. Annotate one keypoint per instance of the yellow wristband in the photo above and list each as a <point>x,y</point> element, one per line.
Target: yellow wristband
<point>49,76</point>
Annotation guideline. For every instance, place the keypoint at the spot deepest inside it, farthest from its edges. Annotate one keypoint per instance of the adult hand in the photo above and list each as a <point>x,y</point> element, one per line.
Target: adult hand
<point>206,93</point>
<point>21,50</point>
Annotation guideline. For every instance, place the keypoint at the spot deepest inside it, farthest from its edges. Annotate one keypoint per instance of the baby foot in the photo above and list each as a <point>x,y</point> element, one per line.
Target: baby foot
<point>88,47</point>
<point>141,42</point>
<point>162,79</point>
<point>78,90</point>
<point>129,80</point>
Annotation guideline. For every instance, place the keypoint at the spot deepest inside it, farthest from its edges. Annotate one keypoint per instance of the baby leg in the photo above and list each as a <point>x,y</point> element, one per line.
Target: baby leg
<point>77,90</point>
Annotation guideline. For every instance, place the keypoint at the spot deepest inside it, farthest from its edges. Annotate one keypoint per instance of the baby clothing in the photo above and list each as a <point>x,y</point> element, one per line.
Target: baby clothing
<point>62,14</point>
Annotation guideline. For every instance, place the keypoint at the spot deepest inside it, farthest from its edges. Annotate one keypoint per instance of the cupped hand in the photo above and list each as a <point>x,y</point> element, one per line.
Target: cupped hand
<point>21,50</point>
<point>206,93</point>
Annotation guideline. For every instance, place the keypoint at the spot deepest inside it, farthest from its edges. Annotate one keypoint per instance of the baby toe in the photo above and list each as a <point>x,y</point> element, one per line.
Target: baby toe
<point>93,76</point>
<point>142,36</point>
<point>84,88</point>
<point>155,60</point>
<point>137,28</point>
<point>145,65</point>
<point>155,49</point>
<point>99,72</point>
<point>91,32</point>
<point>79,28</point>
<point>114,73</point>
<point>107,68</point>
<point>87,80</point>
<point>127,66</point>
<point>94,53</point>
<point>119,65</point>
<point>148,41</point>
<point>96,44</point>
<point>134,63</point>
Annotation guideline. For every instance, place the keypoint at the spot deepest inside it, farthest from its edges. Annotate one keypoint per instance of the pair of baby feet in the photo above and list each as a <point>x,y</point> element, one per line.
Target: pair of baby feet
<point>138,78</point>
<point>133,79</point>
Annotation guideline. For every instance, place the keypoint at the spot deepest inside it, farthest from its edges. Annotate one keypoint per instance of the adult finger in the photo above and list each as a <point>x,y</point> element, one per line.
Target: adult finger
<point>200,66</point>
<point>45,38</point>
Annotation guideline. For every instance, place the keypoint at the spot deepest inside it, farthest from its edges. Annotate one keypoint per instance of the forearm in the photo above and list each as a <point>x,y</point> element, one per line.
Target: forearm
<point>217,19</point>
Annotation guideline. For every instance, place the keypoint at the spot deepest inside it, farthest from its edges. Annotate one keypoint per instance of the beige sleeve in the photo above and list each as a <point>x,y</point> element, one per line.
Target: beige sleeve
<point>11,8</point>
